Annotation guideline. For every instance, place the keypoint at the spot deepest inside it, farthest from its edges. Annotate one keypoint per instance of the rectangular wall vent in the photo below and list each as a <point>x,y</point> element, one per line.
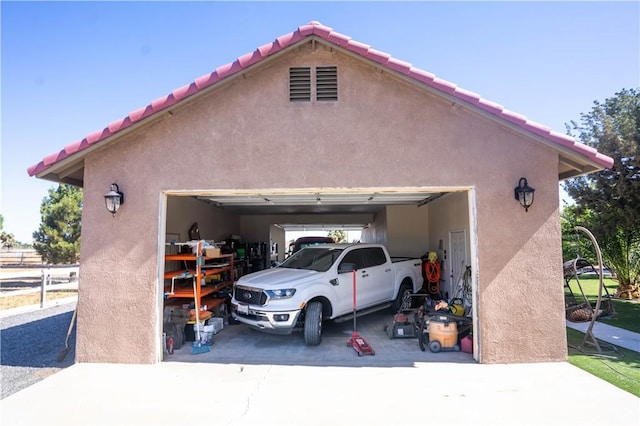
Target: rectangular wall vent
<point>327,83</point>
<point>300,84</point>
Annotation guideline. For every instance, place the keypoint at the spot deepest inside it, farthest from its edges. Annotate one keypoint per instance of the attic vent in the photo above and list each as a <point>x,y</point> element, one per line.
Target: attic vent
<point>327,83</point>
<point>299,84</point>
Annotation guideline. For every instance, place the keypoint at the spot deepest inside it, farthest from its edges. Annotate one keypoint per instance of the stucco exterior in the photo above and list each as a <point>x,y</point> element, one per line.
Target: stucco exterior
<point>382,132</point>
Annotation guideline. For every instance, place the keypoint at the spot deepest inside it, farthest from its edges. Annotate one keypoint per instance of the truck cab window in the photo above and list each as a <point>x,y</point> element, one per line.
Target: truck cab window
<point>355,257</point>
<point>373,256</point>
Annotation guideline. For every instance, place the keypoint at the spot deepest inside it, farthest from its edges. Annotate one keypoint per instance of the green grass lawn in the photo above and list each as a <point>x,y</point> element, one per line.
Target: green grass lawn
<point>621,367</point>
<point>627,312</point>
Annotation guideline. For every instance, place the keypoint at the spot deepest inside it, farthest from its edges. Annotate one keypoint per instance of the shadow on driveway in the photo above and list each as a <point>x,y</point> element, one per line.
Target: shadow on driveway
<point>29,350</point>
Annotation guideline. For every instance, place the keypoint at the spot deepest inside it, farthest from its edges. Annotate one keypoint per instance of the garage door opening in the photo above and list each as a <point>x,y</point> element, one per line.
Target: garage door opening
<point>246,232</point>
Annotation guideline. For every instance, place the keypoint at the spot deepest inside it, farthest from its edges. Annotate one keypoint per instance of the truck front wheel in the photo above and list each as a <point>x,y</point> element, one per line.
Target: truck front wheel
<point>313,324</point>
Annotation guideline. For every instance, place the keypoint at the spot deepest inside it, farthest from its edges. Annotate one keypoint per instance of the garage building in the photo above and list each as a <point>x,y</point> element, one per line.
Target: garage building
<point>315,128</point>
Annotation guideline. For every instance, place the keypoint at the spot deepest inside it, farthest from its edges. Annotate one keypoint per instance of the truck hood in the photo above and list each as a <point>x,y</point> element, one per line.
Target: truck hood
<point>278,278</point>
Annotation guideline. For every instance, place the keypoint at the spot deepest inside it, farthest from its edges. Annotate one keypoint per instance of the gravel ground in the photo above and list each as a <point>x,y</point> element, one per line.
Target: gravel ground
<point>30,343</point>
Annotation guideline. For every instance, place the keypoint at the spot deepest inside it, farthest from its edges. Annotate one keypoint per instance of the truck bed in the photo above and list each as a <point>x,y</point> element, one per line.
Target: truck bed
<point>396,259</point>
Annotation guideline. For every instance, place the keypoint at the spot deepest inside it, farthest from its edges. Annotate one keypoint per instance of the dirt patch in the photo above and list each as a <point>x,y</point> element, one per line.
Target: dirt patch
<point>8,302</point>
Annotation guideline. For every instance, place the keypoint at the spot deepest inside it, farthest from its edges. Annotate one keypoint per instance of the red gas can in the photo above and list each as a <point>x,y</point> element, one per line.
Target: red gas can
<point>466,344</point>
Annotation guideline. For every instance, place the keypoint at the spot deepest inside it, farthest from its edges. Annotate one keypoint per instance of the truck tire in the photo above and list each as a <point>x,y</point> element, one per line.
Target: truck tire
<point>313,324</point>
<point>403,301</point>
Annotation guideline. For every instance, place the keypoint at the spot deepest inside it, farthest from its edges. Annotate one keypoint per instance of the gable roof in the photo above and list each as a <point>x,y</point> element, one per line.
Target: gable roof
<point>66,165</point>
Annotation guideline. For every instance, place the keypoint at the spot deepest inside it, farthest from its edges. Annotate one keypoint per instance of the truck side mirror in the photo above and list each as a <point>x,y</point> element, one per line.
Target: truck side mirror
<point>346,267</point>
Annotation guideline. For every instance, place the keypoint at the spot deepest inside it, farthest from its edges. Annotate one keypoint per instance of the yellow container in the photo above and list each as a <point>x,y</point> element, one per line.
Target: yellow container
<point>445,332</point>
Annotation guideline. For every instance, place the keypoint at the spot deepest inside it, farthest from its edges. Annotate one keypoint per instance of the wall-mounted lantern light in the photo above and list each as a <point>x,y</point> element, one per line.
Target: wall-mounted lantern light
<point>113,199</point>
<point>524,194</point>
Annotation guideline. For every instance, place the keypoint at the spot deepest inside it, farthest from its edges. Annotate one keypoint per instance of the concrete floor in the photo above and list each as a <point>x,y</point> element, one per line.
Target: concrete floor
<point>240,344</point>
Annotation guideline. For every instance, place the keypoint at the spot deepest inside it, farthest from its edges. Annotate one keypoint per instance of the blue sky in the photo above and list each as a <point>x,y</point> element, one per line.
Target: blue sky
<point>69,69</point>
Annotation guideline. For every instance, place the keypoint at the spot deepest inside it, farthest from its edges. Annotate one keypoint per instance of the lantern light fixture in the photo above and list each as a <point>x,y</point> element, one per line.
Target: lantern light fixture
<point>524,194</point>
<point>113,199</point>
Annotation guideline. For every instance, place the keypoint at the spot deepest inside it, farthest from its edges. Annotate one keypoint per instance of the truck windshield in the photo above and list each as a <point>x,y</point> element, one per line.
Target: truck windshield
<point>313,258</point>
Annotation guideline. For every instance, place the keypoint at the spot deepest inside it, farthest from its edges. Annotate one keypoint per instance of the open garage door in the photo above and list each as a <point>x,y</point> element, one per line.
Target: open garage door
<point>408,221</point>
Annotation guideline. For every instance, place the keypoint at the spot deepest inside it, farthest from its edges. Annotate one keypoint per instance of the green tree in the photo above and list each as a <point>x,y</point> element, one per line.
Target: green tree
<point>6,240</point>
<point>58,238</point>
<point>612,196</point>
<point>574,243</point>
<point>338,236</point>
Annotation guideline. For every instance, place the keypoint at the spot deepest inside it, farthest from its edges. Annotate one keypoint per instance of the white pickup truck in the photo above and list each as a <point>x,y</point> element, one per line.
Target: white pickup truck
<point>316,284</point>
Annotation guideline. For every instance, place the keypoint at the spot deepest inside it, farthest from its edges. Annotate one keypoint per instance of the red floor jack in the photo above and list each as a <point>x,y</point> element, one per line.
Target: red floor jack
<point>356,341</point>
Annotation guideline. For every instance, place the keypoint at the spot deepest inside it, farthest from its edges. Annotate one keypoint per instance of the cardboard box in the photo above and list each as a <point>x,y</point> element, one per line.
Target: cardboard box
<point>212,252</point>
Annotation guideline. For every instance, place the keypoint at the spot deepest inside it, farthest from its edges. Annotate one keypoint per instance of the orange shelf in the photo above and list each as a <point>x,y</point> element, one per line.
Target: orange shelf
<point>212,302</point>
<point>190,273</point>
<point>188,292</point>
<point>218,286</point>
<point>213,271</point>
<point>184,273</point>
<point>193,257</point>
<point>184,256</point>
<point>202,316</point>
<point>197,272</point>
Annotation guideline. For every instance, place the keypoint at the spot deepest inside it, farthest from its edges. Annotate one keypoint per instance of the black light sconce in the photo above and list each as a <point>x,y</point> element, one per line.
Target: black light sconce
<point>524,194</point>
<point>113,199</point>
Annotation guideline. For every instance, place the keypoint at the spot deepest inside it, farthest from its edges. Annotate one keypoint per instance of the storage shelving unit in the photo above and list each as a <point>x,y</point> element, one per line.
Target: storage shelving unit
<point>197,267</point>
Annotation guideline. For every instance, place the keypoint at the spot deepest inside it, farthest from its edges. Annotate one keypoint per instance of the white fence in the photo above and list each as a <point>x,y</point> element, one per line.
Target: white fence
<point>19,257</point>
<point>37,278</point>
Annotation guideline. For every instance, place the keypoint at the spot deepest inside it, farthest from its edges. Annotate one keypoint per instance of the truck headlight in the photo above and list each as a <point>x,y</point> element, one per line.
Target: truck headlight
<point>281,293</point>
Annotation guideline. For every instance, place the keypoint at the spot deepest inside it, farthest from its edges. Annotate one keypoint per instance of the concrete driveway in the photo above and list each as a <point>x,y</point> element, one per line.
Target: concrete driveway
<point>251,378</point>
<point>174,393</point>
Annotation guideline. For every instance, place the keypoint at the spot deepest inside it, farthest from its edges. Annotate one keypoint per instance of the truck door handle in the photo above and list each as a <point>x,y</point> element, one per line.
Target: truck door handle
<point>365,275</point>
<point>334,281</point>
<point>387,270</point>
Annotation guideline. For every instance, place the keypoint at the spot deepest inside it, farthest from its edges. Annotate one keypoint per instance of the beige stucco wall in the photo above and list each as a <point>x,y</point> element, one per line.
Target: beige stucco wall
<point>407,230</point>
<point>389,133</point>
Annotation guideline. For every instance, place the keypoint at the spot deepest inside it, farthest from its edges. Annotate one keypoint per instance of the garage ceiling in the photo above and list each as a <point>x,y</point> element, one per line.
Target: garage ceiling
<point>316,202</point>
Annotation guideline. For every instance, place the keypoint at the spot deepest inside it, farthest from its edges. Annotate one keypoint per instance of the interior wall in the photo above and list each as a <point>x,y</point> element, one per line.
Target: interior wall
<point>376,232</point>
<point>278,237</point>
<point>214,224</point>
<point>254,229</point>
<point>407,230</point>
<point>446,214</point>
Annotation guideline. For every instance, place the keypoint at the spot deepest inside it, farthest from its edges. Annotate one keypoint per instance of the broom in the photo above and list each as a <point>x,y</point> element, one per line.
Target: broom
<point>198,347</point>
<point>63,353</point>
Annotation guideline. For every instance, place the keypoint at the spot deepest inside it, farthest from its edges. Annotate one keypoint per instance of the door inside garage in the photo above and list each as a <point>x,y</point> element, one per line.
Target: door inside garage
<point>242,232</point>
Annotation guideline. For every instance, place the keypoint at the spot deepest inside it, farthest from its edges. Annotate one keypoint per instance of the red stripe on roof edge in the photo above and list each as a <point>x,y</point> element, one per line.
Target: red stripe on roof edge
<point>326,33</point>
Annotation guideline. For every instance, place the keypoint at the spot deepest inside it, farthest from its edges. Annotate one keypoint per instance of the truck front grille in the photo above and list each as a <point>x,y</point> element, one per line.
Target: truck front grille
<point>250,297</point>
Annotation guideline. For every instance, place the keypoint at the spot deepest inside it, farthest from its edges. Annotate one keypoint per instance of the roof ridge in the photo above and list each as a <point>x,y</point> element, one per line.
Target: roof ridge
<point>328,34</point>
